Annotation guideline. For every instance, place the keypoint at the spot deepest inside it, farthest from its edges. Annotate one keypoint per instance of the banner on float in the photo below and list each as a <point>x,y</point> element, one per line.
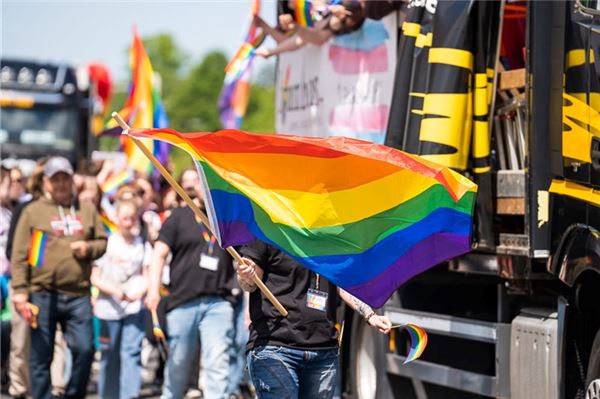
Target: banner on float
<point>343,88</point>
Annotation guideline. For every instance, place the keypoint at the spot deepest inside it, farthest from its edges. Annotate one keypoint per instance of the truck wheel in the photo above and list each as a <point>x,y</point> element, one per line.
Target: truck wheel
<point>367,371</point>
<point>592,382</point>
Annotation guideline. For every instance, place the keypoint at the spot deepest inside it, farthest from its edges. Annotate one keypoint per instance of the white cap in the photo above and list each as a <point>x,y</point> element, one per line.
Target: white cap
<point>57,164</point>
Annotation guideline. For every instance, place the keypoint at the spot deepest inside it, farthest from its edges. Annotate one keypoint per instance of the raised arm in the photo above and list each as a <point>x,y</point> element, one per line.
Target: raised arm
<point>292,43</point>
<point>276,34</point>
<point>316,35</point>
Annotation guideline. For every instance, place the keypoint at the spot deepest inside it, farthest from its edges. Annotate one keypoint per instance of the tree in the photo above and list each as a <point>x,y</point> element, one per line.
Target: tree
<point>167,60</point>
<point>194,105</point>
<point>260,116</point>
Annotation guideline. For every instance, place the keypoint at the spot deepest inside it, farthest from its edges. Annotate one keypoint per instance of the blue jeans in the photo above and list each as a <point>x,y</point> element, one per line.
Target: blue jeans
<point>238,349</point>
<point>279,372</point>
<point>208,320</point>
<point>121,345</point>
<point>74,313</point>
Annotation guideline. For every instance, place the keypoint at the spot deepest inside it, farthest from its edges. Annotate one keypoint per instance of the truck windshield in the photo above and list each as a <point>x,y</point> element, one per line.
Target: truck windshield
<point>39,128</point>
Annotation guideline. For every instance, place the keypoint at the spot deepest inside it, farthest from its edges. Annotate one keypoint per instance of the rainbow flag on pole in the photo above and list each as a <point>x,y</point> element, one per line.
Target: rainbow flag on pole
<point>143,109</point>
<point>365,216</point>
<point>233,100</point>
<point>112,184</point>
<point>37,248</point>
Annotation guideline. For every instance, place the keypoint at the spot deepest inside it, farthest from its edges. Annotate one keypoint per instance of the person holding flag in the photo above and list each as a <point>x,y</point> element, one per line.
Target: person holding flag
<point>294,356</point>
<point>56,240</point>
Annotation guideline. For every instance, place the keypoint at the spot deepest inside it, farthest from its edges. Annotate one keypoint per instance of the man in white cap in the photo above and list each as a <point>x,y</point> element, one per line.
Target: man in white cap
<point>55,242</point>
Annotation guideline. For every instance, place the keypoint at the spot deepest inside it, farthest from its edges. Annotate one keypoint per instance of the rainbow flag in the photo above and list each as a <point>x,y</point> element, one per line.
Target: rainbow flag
<point>418,342</point>
<point>143,109</point>
<point>302,12</point>
<point>365,216</point>
<point>112,184</point>
<point>37,248</point>
<point>109,226</point>
<point>233,100</point>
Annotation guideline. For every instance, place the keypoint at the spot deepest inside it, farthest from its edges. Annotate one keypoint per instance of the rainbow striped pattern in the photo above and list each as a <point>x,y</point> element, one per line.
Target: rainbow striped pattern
<point>418,342</point>
<point>112,184</point>
<point>302,13</point>
<point>233,100</point>
<point>109,226</point>
<point>37,248</point>
<point>143,109</point>
<point>365,216</point>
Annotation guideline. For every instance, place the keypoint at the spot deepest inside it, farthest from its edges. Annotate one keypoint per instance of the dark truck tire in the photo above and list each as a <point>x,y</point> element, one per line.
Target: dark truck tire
<point>592,381</point>
<point>368,378</point>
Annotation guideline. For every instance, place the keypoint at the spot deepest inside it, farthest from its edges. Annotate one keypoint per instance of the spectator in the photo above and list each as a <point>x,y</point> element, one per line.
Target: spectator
<point>198,306</point>
<point>5,215</point>
<point>342,19</point>
<point>59,286</point>
<point>148,208</point>
<point>120,276</point>
<point>294,356</point>
<point>16,191</point>
<point>90,192</point>
<point>18,367</point>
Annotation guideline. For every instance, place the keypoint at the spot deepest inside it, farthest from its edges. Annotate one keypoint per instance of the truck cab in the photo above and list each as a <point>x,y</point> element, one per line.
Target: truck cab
<point>46,110</point>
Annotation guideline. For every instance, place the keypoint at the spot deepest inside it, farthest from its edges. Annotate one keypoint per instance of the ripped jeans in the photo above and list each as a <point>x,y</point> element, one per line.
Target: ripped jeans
<point>279,372</point>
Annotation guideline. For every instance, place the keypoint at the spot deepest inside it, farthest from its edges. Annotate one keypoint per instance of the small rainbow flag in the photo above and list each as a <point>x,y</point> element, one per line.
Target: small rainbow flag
<point>365,216</point>
<point>109,226</point>
<point>233,100</point>
<point>112,184</point>
<point>37,248</point>
<point>418,342</point>
<point>302,12</point>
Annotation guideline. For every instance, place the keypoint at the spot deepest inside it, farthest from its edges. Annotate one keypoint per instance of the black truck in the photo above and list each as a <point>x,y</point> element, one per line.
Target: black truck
<point>46,109</point>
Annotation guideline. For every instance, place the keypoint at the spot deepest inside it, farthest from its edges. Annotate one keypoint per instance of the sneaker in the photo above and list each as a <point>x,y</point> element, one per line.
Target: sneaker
<point>194,393</point>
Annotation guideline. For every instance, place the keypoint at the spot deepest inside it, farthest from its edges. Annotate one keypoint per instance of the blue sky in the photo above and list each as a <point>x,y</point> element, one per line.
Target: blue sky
<point>83,31</point>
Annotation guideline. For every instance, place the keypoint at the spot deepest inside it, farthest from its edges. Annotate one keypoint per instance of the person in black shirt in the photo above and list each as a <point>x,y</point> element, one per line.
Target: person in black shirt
<point>294,356</point>
<point>199,303</point>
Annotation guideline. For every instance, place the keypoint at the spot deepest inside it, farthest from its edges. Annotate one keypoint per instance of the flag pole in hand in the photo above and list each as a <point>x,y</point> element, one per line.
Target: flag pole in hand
<point>197,211</point>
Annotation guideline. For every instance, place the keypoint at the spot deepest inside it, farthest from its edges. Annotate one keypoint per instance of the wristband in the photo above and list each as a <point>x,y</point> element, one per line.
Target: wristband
<point>368,317</point>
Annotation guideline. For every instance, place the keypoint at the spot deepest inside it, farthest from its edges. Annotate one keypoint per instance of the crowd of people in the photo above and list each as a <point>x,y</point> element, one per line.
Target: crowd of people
<point>83,270</point>
<point>88,274</point>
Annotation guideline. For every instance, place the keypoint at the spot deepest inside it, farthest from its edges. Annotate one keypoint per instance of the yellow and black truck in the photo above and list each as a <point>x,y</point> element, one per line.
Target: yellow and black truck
<point>508,93</point>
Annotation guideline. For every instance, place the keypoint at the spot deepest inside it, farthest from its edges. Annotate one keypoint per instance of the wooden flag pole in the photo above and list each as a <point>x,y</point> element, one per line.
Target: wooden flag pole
<point>197,211</point>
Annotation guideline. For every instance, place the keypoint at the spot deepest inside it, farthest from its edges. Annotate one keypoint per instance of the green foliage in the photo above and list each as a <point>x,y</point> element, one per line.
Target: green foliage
<point>260,116</point>
<point>191,92</point>
<point>193,107</point>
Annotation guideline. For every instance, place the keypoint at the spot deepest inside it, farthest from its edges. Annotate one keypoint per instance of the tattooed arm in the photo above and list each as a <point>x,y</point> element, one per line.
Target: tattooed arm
<point>382,323</point>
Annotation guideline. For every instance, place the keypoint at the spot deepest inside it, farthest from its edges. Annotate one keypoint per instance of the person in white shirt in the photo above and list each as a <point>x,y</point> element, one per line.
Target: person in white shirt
<point>121,278</point>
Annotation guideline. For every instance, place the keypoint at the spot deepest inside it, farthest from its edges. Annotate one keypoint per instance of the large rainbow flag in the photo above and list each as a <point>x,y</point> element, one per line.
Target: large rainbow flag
<point>233,100</point>
<point>143,109</point>
<point>365,216</point>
